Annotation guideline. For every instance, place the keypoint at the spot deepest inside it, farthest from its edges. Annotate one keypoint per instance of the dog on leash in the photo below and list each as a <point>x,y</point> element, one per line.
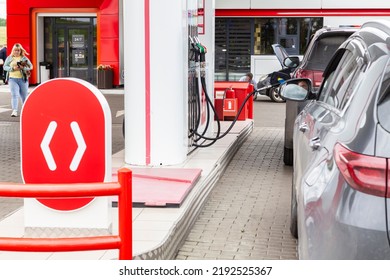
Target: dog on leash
<point>26,73</point>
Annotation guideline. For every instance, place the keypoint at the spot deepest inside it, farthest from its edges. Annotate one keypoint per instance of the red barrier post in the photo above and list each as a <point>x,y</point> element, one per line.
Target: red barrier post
<point>125,214</point>
<point>251,88</point>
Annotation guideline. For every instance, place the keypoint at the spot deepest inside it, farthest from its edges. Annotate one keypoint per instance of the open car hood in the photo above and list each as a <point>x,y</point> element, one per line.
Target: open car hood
<point>280,53</point>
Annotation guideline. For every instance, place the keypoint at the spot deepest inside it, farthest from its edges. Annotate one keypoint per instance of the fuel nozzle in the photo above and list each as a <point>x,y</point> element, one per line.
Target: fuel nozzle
<point>194,45</point>
<point>202,53</point>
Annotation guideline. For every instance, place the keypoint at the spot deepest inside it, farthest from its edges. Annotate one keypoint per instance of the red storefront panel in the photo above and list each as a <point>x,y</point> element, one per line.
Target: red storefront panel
<point>17,28</point>
<point>21,26</point>
<point>109,25</point>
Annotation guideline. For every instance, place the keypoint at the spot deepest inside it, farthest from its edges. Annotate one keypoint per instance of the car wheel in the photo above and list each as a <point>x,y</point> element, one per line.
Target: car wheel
<point>288,156</point>
<point>294,213</point>
<point>275,96</point>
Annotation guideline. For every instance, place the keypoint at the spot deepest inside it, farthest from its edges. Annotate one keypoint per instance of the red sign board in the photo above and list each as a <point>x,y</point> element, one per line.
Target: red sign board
<point>63,137</point>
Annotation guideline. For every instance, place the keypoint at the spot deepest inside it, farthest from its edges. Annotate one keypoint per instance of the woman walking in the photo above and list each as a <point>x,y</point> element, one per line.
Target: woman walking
<point>18,68</point>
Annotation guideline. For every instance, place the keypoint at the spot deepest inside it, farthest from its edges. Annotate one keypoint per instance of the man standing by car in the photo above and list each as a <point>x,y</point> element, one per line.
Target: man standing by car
<point>249,78</point>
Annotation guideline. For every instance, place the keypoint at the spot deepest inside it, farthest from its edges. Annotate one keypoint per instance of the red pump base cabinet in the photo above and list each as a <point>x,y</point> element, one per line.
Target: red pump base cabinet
<point>229,97</point>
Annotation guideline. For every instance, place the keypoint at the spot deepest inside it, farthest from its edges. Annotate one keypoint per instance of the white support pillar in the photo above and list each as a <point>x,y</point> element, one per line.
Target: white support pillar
<point>156,66</point>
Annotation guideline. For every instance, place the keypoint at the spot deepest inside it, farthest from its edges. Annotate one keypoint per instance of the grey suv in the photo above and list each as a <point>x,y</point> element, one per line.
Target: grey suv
<point>318,53</point>
<point>341,173</point>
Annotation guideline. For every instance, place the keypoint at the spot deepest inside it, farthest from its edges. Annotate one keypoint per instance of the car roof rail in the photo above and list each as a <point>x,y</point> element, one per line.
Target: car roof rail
<point>383,25</point>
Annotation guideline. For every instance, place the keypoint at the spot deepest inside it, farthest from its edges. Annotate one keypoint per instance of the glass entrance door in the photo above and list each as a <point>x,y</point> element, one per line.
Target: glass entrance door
<point>74,55</point>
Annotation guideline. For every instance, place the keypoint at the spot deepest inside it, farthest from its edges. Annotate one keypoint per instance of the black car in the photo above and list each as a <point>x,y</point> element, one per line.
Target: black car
<point>269,83</point>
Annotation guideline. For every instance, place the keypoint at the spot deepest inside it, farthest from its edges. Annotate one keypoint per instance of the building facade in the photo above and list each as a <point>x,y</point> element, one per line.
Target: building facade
<point>73,37</point>
<point>70,38</point>
<point>246,29</point>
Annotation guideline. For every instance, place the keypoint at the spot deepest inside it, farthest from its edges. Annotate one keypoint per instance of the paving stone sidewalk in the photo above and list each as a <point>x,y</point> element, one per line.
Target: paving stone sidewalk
<point>248,212</point>
<point>9,164</point>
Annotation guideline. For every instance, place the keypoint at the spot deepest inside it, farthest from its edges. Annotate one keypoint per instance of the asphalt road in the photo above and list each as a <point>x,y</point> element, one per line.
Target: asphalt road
<point>268,113</point>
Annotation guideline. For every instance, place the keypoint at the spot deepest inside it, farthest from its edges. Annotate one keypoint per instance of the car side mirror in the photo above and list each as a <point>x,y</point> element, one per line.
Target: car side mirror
<point>291,61</point>
<point>296,89</point>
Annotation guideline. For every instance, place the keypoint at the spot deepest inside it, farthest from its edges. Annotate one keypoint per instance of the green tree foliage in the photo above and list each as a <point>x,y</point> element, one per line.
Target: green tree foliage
<point>2,22</point>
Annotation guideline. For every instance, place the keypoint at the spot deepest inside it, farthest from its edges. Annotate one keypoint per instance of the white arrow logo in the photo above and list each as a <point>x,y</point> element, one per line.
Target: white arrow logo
<point>45,145</point>
<point>81,147</point>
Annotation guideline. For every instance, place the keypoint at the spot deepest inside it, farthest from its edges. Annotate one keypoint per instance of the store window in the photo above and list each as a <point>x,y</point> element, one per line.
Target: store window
<point>236,39</point>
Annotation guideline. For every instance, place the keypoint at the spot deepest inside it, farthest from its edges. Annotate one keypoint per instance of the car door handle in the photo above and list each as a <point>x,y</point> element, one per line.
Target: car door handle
<point>303,127</point>
<point>315,143</point>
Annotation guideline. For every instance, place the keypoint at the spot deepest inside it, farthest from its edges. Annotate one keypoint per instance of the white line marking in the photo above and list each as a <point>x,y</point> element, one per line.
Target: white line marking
<point>120,113</point>
<point>45,145</point>
<point>81,146</point>
<point>4,109</point>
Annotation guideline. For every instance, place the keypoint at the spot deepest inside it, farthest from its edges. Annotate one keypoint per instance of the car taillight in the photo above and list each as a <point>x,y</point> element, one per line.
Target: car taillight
<point>302,73</point>
<point>314,76</point>
<point>364,173</point>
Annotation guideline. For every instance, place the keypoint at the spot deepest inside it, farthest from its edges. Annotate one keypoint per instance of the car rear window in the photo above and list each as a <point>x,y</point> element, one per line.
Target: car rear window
<point>384,100</point>
<point>323,50</point>
<point>383,111</point>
